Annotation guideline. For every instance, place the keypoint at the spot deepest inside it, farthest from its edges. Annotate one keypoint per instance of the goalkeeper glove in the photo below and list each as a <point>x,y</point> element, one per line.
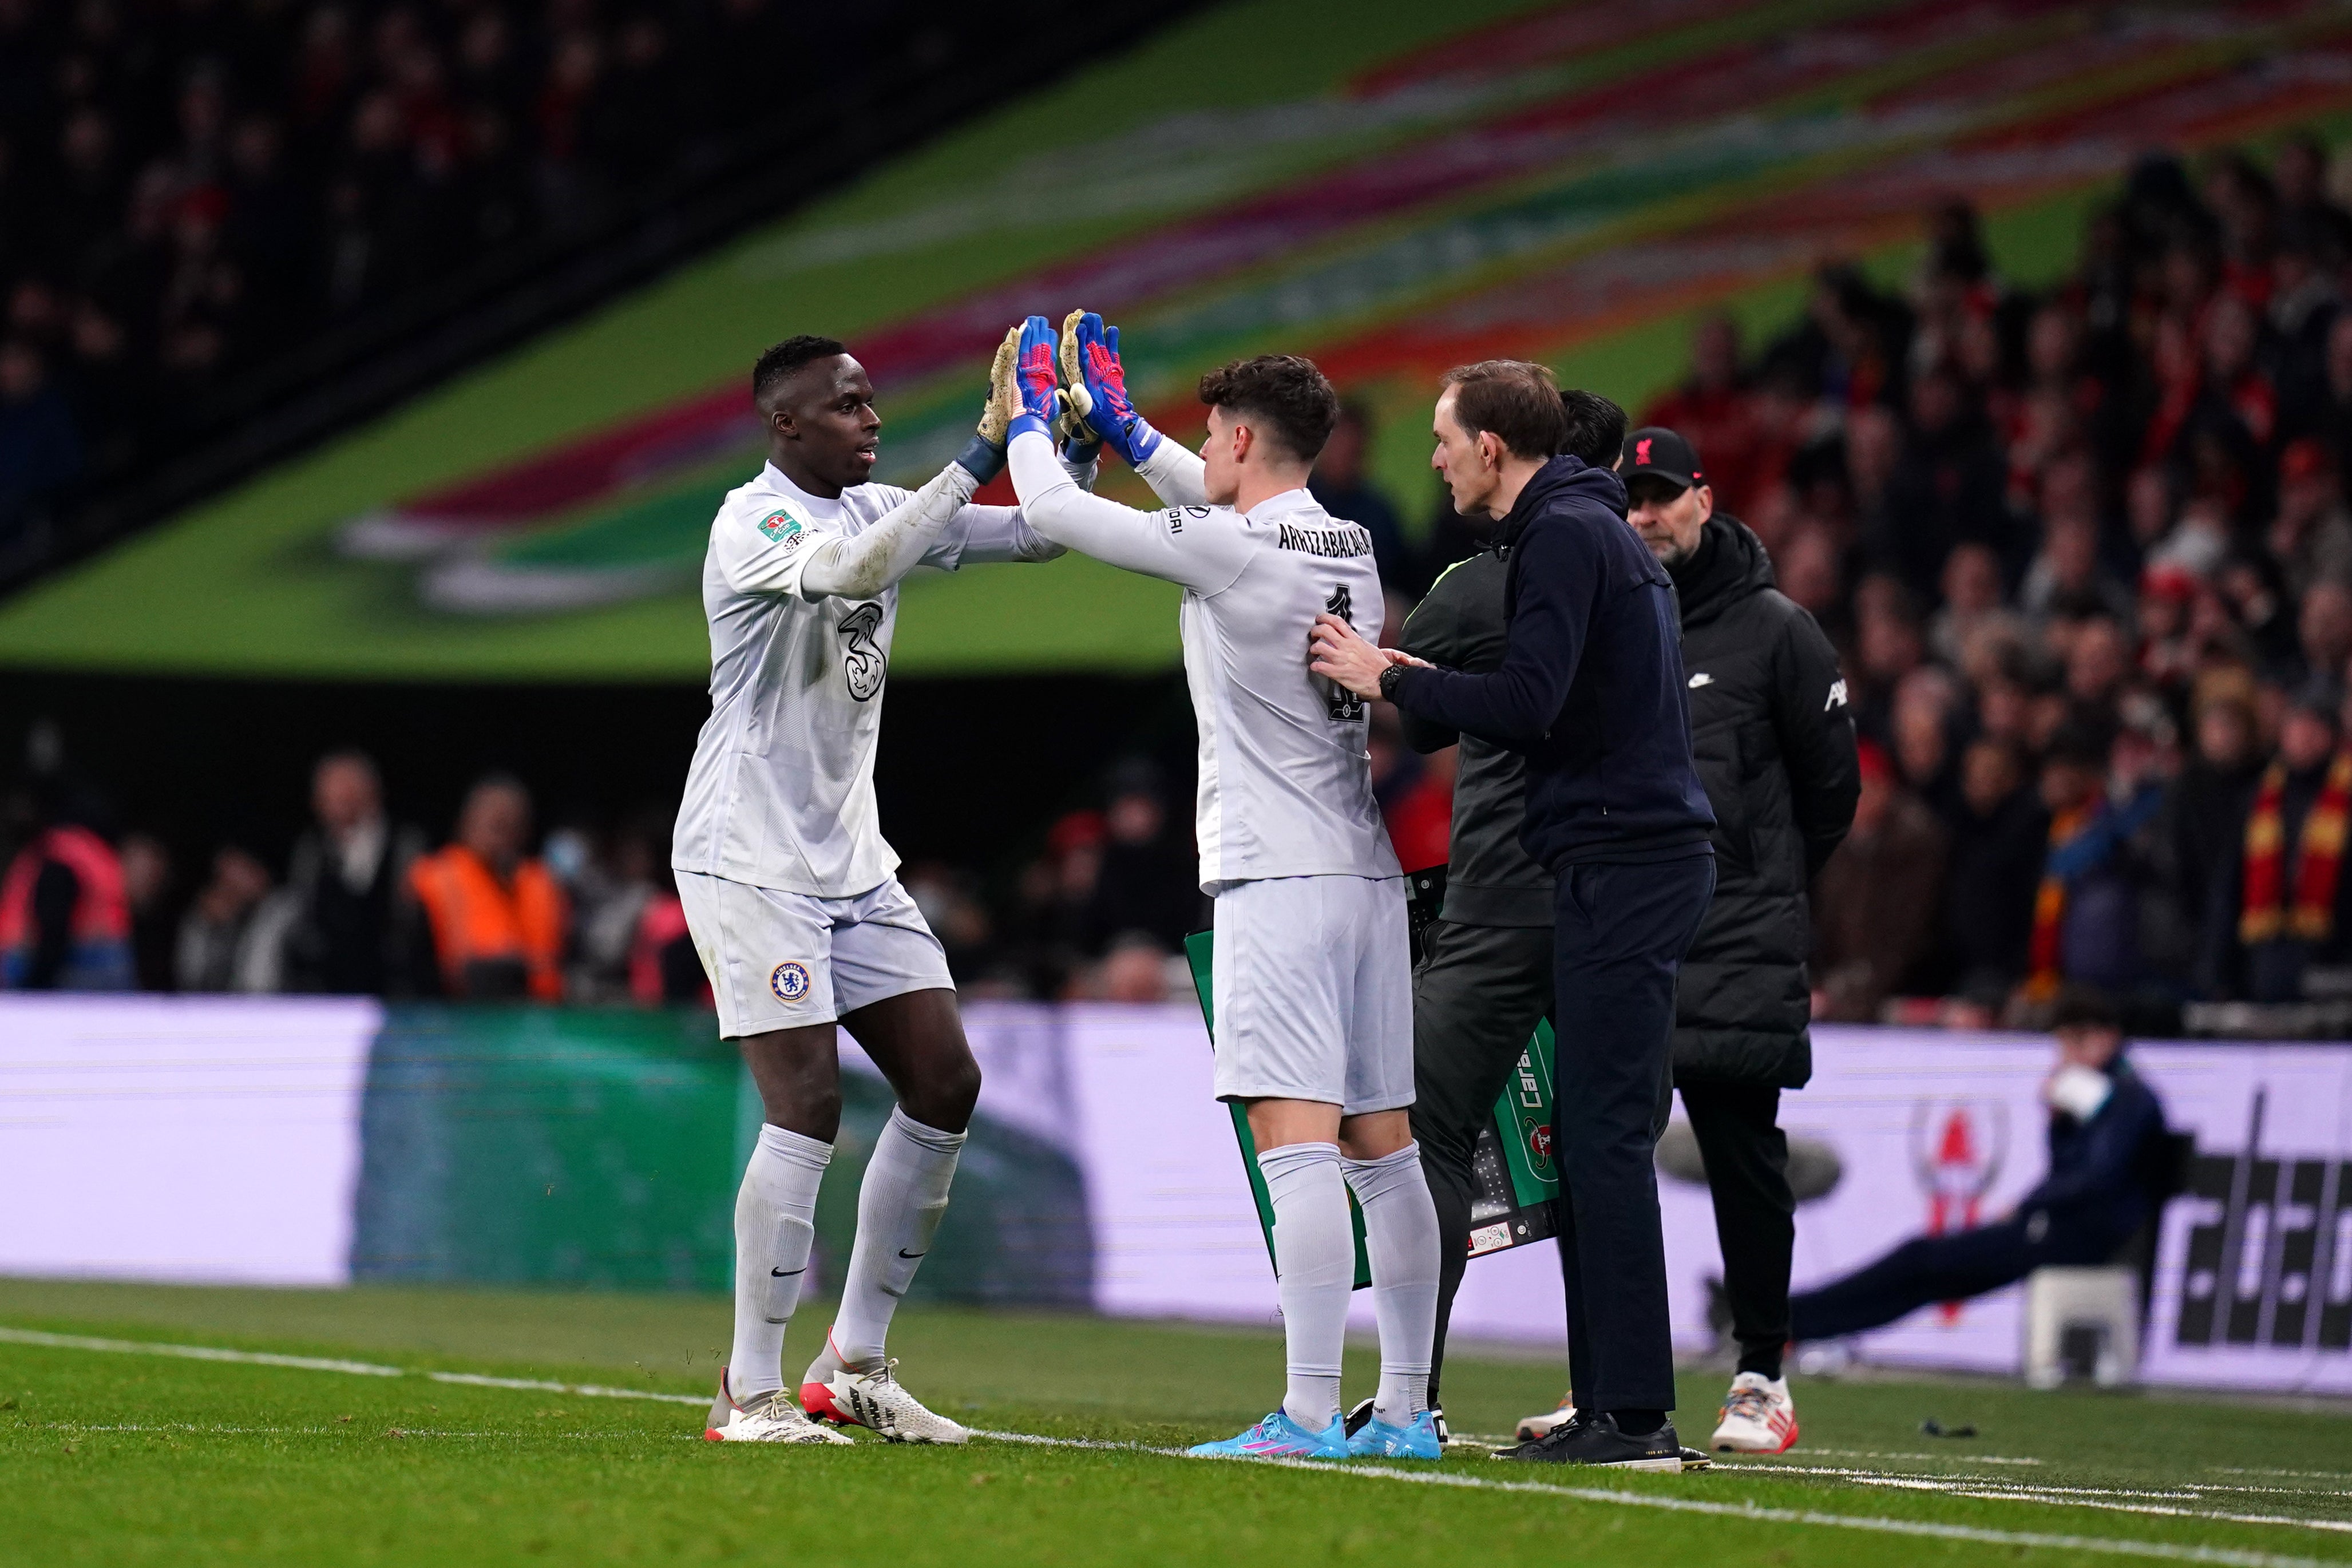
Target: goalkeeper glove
<point>1035,381</point>
<point>983,456</point>
<point>1081,446</point>
<point>1101,390</point>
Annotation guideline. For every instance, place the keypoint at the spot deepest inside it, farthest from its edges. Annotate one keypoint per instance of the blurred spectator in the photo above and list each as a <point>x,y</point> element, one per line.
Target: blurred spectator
<point>1998,842</point>
<point>1135,970</point>
<point>147,890</point>
<point>1875,901</point>
<point>952,909</point>
<point>232,936</point>
<point>1421,819</point>
<point>2085,911</point>
<point>1926,760</point>
<point>2325,630</point>
<point>1948,489</point>
<point>354,917</point>
<point>65,921</point>
<point>2206,813</point>
<point>40,452</point>
<point>1713,410</point>
<point>1149,879</point>
<point>1344,486</point>
<point>2278,927</point>
<point>1973,603</point>
<point>2312,535</point>
<point>497,920</point>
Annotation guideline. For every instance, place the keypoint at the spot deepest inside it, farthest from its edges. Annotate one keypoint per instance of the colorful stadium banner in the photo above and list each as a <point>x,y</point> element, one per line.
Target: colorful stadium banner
<point>282,1140</point>
<point>1423,186</point>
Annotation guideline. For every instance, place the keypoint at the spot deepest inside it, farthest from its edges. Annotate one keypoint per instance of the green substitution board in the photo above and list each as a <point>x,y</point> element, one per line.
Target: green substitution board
<point>1512,1165</point>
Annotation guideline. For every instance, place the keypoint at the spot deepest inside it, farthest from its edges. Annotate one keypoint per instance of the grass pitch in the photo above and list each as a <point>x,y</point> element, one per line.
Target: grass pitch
<point>114,1453</point>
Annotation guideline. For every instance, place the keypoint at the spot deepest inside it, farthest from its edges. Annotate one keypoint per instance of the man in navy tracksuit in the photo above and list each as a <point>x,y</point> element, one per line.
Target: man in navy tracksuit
<point>1591,691</point>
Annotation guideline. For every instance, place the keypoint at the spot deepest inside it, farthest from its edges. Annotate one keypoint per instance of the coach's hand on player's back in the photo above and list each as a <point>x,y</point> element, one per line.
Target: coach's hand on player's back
<point>1099,389</point>
<point>1336,652</point>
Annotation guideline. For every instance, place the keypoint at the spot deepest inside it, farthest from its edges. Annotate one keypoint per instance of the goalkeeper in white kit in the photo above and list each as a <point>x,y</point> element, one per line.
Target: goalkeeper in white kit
<point>1312,989</point>
<point>789,887</point>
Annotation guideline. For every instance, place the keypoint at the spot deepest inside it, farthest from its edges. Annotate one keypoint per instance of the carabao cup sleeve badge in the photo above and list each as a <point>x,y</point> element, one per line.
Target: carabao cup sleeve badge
<point>790,982</point>
<point>781,527</point>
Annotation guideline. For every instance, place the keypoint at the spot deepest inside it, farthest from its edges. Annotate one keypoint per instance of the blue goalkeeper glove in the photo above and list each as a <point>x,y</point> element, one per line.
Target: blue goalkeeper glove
<point>1107,409</point>
<point>1034,379</point>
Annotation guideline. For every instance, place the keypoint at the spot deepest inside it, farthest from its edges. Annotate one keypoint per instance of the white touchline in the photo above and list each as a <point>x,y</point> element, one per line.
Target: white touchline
<point>195,1352</point>
<point>2224,1557</point>
<point>320,1363</point>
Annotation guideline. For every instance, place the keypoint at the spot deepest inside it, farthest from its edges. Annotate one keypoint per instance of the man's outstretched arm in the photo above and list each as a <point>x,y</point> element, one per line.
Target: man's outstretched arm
<point>1170,544</point>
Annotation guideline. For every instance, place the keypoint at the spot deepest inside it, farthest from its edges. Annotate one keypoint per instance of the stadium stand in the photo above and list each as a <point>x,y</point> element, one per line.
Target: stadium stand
<point>229,226</point>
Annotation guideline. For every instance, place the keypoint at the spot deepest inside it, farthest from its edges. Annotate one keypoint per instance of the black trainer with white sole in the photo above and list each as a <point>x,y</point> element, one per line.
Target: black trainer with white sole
<point>1594,1439</point>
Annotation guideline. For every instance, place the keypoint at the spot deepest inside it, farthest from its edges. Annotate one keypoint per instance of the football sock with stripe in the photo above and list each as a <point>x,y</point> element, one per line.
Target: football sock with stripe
<point>1315,1246</point>
<point>775,1214</point>
<point>1400,1239</point>
<point>899,1206</point>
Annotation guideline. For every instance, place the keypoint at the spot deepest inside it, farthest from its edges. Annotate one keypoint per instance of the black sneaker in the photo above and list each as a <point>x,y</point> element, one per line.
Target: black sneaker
<point>1359,1417</point>
<point>1593,1439</point>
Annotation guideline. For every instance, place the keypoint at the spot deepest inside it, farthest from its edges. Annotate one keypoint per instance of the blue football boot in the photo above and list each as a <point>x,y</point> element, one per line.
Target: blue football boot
<point>1279,1437</point>
<point>1416,1439</point>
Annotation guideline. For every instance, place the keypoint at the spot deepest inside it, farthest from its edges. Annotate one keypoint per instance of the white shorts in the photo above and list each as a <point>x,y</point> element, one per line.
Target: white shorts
<point>1312,990</point>
<point>780,961</point>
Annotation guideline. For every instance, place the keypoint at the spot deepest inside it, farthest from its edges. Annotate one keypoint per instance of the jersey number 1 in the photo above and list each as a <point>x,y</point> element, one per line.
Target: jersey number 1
<point>1343,705</point>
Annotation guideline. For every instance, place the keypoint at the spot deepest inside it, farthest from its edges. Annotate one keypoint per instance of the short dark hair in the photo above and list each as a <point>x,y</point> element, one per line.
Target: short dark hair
<point>1596,427</point>
<point>786,357</point>
<point>1288,391</point>
<point>1515,400</point>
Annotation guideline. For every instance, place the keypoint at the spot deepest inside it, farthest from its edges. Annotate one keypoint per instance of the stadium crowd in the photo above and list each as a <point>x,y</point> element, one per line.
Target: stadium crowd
<point>190,188</point>
<point>2085,552</point>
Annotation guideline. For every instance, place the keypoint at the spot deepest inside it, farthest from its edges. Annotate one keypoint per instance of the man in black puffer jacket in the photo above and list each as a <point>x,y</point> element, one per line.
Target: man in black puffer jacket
<point>1774,744</point>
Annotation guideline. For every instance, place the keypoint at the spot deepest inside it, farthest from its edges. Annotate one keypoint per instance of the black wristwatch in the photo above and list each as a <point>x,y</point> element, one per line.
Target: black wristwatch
<point>1388,679</point>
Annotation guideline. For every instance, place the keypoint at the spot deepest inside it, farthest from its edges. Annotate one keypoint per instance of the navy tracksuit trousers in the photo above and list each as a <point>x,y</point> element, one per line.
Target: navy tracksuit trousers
<point>1619,935</point>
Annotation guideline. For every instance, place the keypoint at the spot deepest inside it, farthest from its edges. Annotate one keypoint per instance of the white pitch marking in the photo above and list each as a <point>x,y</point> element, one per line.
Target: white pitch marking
<point>319,1363</point>
<point>2223,1557</point>
<point>2331,1524</point>
<point>590,1390</point>
<point>195,1352</point>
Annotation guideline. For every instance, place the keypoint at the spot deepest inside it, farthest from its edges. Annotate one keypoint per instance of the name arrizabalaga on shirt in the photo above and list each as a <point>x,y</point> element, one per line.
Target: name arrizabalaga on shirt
<point>1339,538</point>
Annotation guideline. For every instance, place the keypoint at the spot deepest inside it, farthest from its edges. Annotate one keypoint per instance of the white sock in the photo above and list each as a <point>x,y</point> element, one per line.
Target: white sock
<point>1315,1257</point>
<point>899,1206</point>
<point>1400,1236</point>
<point>775,1214</point>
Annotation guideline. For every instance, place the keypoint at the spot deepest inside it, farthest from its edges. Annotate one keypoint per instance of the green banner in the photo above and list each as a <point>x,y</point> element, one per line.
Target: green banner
<point>580,1147</point>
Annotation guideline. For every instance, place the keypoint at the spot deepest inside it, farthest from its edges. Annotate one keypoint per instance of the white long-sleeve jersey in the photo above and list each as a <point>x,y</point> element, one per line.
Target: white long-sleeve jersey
<point>1285,779</point>
<point>781,792</point>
